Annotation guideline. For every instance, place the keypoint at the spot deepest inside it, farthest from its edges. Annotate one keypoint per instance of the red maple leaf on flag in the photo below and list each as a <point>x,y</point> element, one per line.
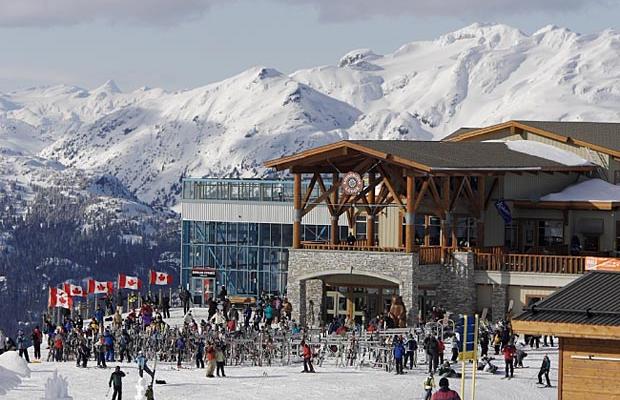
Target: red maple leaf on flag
<point>76,290</point>
<point>100,287</point>
<point>62,300</point>
<point>131,282</point>
<point>161,277</point>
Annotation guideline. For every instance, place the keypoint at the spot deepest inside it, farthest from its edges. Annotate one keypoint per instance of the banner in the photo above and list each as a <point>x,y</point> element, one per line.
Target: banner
<point>129,282</point>
<point>59,298</point>
<point>98,287</point>
<point>602,264</point>
<point>504,211</point>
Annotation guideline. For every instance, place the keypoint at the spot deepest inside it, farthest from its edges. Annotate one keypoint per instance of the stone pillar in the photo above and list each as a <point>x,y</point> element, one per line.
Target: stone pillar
<point>296,294</point>
<point>408,290</point>
<point>458,286</point>
<point>314,294</point>
<point>499,301</point>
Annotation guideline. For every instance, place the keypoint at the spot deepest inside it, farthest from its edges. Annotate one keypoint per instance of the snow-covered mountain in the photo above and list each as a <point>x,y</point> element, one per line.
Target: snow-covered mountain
<point>482,74</point>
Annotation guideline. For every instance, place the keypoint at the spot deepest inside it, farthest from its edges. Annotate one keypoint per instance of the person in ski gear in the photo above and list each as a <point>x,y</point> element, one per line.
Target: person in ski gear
<point>444,392</point>
<point>124,344</point>
<point>412,352</point>
<point>456,342</point>
<point>185,299</point>
<point>211,363</point>
<point>180,346</point>
<point>431,345</point>
<point>22,345</point>
<point>142,362</point>
<point>37,339</point>
<point>544,370</point>
<point>200,353</point>
<point>307,355</point>
<point>519,356</point>
<point>399,353</point>
<point>116,379</point>
<point>220,360</point>
<point>429,385</point>
<point>509,352</point>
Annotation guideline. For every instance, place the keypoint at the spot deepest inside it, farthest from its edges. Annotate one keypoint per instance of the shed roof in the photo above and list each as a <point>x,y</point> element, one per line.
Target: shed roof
<point>593,299</point>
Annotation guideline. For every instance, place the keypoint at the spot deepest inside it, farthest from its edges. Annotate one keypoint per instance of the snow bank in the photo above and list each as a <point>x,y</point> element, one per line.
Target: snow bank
<point>546,151</point>
<point>8,380</point>
<point>590,190</point>
<point>11,361</point>
<point>141,386</point>
<point>57,388</point>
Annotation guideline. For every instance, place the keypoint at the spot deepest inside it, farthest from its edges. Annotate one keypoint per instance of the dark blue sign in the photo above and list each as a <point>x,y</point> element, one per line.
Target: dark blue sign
<point>504,211</point>
<point>467,343</point>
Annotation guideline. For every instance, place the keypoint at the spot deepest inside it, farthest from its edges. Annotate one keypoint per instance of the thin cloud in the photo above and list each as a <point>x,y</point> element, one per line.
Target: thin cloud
<point>20,13</point>
<point>341,10</point>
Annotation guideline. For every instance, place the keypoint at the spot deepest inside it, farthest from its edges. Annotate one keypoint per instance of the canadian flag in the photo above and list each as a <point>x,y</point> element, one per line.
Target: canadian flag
<point>97,287</point>
<point>160,278</point>
<point>59,298</point>
<point>73,290</point>
<point>129,282</point>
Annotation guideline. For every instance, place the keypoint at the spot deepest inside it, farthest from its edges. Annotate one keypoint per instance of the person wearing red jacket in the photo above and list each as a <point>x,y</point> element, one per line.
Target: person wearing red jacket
<point>444,392</point>
<point>307,354</point>
<point>509,352</point>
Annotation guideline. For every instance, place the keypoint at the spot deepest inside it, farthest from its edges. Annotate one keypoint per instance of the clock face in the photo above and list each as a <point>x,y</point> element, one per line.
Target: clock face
<point>352,183</point>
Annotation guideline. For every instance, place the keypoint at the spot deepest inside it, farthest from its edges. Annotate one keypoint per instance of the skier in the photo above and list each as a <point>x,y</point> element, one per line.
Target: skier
<point>124,343</point>
<point>519,356</point>
<point>429,385</point>
<point>100,347</point>
<point>455,347</point>
<point>116,379</point>
<point>444,392</point>
<point>180,345</point>
<point>22,345</point>
<point>141,360</point>
<point>544,370</point>
<point>432,352</point>
<point>307,354</point>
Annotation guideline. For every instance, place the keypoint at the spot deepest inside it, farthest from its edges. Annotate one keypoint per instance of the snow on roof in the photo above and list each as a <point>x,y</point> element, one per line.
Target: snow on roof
<point>590,190</point>
<point>546,151</point>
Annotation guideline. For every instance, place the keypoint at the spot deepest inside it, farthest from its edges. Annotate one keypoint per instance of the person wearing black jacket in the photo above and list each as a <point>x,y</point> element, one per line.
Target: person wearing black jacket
<point>116,379</point>
<point>412,349</point>
<point>544,370</point>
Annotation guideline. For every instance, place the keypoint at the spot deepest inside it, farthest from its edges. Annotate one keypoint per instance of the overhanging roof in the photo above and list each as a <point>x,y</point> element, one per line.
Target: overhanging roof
<point>423,156</point>
<point>600,136</point>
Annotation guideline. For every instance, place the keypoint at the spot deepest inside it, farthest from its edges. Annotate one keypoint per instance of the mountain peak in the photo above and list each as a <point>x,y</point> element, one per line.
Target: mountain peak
<point>493,34</point>
<point>109,87</point>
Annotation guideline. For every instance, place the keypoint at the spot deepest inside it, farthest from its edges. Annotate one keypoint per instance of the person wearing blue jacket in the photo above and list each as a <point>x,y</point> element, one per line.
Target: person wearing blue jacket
<point>141,360</point>
<point>180,345</point>
<point>399,353</point>
<point>108,340</point>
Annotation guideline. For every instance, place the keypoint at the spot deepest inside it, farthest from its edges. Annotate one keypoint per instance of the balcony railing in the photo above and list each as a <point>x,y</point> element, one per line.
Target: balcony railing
<point>359,245</point>
<point>530,263</point>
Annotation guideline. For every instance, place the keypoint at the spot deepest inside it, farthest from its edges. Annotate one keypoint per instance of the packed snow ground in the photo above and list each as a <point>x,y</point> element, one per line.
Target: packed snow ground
<point>267,382</point>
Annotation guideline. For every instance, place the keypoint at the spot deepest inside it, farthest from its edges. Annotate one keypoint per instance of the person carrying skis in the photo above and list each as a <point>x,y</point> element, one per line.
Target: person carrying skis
<point>544,370</point>
<point>116,379</point>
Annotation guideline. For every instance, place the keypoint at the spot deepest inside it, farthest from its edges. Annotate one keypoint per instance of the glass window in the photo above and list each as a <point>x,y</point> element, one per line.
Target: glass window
<point>434,231</point>
<point>265,237</point>
<point>276,232</point>
<point>231,233</point>
<point>550,233</point>
<point>220,233</point>
<point>253,234</point>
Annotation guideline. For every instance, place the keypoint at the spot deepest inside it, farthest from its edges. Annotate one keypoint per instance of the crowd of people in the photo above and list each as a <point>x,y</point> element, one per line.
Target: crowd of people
<point>259,333</point>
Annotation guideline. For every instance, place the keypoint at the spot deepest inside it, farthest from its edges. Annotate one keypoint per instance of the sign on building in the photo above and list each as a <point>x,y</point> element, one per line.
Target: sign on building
<point>602,264</point>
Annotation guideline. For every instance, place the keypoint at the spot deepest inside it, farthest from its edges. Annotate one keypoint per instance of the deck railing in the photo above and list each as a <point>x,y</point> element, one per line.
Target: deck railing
<point>530,263</point>
<point>359,245</point>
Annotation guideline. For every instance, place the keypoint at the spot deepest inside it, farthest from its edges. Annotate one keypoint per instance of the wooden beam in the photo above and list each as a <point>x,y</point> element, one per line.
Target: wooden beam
<point>410,216</point>
<point>320,199</point>
<point>335,229</point>
<point>566,329</point>
<point>330,204</point>
<point>390,187</point>
<point>490,194</point>
<point>309,191</point>
<point>297,211</point>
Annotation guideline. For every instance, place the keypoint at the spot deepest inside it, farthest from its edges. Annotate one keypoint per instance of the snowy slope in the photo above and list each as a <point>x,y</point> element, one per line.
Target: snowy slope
<point>479,75</point>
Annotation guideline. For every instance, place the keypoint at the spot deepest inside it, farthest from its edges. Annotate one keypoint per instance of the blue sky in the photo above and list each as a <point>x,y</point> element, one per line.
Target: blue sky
<point>178,44</point>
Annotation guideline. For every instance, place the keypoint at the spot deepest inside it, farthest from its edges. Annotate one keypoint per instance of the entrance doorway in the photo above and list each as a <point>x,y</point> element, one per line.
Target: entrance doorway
<point>358,303</point>
<point>202,289</point>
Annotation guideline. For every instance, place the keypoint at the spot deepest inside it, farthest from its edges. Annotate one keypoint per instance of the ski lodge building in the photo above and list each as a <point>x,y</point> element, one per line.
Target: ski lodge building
<point>496,217</point>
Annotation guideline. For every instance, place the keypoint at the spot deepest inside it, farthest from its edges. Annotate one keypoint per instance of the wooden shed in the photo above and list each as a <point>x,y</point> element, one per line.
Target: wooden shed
<point>585,315</point>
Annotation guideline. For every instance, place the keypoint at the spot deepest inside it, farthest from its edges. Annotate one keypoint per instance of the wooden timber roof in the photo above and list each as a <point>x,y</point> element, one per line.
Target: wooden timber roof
<point>600,136</point>
<point>420,156</point>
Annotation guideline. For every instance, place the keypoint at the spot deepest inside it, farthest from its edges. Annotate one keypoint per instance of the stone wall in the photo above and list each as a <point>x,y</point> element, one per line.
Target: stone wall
<point>499,301</point>
<point>454,282</point>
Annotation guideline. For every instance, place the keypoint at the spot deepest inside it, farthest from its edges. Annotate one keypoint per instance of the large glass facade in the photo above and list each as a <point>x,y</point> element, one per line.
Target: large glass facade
<point>249,258</point>
<point>242,190</point>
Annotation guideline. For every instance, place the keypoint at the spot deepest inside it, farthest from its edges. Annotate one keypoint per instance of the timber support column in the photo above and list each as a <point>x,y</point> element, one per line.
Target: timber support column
<point>481,209</point>
<point>409,215</point>
<point>297,211</point>
<point>335,229</point>
<point>370,218</point>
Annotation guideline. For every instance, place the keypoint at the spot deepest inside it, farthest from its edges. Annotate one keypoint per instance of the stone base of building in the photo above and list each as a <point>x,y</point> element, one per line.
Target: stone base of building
<point>310,271</point>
